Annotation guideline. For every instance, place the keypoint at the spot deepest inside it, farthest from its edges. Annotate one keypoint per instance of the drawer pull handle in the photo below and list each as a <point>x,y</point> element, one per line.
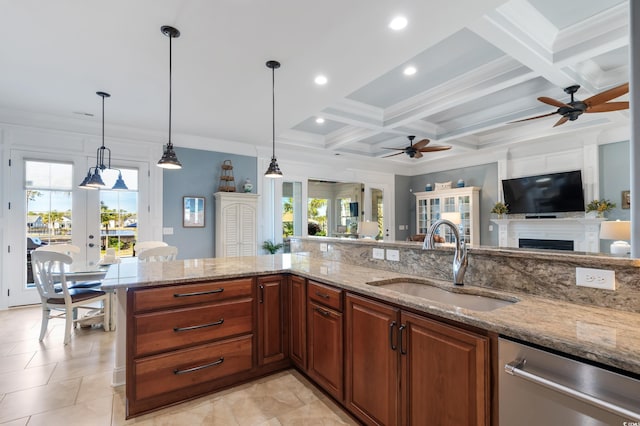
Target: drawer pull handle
<point>323,312</point>
<point>200,367</point>
<point>323,295</point>
<point>199,293</point>
<point>391,327</point>
<point>195,327</point>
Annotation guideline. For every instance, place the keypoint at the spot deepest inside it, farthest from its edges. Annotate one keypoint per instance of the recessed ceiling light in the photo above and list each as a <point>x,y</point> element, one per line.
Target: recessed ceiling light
<point>321,80</point>
<point>320,120</point>
<point>398,23</point>
<point>410,70</point>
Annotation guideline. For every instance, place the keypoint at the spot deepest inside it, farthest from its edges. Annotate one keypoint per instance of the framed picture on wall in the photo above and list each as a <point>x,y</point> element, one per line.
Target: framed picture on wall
<point>626,200</point>
<point>193,212</point>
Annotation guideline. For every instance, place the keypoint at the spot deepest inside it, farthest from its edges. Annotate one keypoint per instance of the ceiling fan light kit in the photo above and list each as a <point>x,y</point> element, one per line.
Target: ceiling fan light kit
<point>169,158</point>
<point>575,108</point>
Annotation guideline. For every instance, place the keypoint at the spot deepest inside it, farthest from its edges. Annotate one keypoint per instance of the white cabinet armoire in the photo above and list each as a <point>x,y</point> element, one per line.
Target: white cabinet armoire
<point>236,227</point>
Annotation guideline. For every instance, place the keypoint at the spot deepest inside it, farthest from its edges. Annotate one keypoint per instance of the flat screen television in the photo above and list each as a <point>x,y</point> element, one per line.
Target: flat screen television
<point>550,193</point>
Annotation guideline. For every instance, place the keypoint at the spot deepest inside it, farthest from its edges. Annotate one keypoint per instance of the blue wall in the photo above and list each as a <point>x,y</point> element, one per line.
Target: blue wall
<point>199,176</point>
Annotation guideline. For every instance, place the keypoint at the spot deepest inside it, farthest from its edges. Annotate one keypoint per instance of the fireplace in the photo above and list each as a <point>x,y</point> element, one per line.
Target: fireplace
<point>533,243</point>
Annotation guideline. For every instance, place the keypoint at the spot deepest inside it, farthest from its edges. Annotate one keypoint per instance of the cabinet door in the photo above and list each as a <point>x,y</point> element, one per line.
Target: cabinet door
<point>230,223</point>
<point>298,322</point>
<point>445,372</point>
<point>372,361</point>
<point>325,353</point>
<point>272,345</point>
<point>247,230</point>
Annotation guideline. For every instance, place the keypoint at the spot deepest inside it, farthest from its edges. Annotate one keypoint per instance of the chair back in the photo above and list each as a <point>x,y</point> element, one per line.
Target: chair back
<point>159,254</point>
<point>145,245</point>
<point>46,264</point>
<point>68,249</point>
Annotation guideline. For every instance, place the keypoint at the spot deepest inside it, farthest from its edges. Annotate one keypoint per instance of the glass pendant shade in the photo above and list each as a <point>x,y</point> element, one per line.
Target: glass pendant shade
<point>169,159</point>
<point>120,185</point>
<point>96,180</point>
<point>274,170</point>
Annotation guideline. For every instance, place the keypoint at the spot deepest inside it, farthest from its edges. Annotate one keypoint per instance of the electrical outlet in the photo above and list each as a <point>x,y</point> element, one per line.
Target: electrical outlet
<point>596,278</point>
<point>378,253</point>
<point>393,255</point>
<point>490,228</point>
<point>323,246</point>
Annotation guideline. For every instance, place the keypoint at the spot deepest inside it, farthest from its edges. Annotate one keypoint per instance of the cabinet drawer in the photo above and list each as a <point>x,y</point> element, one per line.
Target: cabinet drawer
<point>159,331</point>
<point>328,296</point>
<point>159,374</point>
<point>189,294</point>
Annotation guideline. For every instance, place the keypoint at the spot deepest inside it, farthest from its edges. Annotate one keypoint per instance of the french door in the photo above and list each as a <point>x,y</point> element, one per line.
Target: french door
<point>47,207</point>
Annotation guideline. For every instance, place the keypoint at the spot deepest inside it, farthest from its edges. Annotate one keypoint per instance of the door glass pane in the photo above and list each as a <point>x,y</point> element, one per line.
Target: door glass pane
<point>317,216</point>
<point>48,192</point>
<point>119,213</point>
<point>291,212</point>
<point>377,211</point>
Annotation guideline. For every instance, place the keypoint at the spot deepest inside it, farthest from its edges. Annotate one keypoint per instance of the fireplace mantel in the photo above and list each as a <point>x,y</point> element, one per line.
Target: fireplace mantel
<point>584,232</point>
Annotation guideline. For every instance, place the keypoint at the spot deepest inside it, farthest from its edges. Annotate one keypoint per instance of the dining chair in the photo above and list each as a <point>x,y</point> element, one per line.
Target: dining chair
<point>49,273</point>
<point>159,254</point>
<point>141,246</point>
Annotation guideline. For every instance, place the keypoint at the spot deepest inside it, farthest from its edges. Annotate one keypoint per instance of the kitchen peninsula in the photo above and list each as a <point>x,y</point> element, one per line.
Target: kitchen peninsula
<point>276,290</point>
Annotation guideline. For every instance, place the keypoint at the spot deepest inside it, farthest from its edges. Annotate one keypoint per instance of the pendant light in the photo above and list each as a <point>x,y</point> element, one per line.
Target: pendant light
<point>169,158</point>
<point>274,170</point>
<point>93,180</point>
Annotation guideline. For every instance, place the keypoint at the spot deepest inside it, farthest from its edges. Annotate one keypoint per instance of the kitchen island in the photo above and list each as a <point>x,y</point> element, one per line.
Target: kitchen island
<point>607,336</point>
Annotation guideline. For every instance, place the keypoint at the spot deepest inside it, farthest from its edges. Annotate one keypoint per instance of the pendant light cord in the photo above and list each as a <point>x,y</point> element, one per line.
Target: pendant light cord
<point>273,111</point>
<point>170,61</point>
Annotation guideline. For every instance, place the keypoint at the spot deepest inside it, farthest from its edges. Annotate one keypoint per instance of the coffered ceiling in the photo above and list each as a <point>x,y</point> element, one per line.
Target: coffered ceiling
<point>479,66</point>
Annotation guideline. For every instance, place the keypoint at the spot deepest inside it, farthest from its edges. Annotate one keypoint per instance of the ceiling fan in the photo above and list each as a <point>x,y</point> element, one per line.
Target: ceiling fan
<point>574,109</point>
<point>415,151</point>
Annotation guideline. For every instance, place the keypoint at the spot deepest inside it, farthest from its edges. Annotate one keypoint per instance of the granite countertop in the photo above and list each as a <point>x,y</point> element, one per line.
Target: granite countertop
<point>603,335</point>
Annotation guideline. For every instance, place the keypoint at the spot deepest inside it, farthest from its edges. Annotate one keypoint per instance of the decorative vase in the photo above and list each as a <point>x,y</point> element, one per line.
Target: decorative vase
<point>248,186</point>
<point>460,183</point>
<point>428,187</point>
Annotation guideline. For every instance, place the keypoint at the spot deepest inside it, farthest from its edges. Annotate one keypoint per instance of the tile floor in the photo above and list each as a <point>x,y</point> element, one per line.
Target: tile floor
<point>50,384</point>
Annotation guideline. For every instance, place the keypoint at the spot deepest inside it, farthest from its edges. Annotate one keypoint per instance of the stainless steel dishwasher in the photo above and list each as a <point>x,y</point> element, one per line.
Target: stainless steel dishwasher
<point>539,388</point>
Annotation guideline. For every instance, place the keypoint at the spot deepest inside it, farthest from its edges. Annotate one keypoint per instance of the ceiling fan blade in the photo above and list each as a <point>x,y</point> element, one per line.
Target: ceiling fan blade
<point>399,149</point>
<point>434,148</point>
<point>608,106</point>
<point>561,121</point>
<point>553,102</point>
<point>421,144</point>
<point>533,118</point>
<point>393,155</point>
<point>607,95</point>
<point>418,154</point>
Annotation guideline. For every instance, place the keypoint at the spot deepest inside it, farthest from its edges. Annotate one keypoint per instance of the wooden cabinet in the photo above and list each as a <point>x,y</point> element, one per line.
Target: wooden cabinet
<point>236,228</point>
<point>298,321</point>
<point>423,371</point>
<point>182,340</point>
<point>272,342</point>
<point>325,338</point>
<point>464,201</point>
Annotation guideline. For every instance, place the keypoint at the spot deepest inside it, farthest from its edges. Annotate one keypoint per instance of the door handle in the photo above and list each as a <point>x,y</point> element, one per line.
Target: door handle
<point>391,327</point>
<point>261,287</point>
<point>400,330</point>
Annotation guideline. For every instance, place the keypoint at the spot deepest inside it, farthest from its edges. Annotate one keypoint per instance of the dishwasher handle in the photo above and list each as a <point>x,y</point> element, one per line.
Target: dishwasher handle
<point>515,368</point>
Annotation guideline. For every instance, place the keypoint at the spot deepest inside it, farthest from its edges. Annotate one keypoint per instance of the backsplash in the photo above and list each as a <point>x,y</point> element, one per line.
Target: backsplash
<point>545,274</point>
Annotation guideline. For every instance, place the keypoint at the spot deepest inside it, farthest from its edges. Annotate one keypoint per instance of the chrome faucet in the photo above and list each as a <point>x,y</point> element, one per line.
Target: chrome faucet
<point>460,259</point>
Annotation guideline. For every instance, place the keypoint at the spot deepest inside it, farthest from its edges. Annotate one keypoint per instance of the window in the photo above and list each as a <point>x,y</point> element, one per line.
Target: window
<point>119,213</point>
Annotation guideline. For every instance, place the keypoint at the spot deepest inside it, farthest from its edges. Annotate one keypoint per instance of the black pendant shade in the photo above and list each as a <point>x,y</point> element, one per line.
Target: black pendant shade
<point>274,170</point>
<point>169,158</point>
<point>93,180</point>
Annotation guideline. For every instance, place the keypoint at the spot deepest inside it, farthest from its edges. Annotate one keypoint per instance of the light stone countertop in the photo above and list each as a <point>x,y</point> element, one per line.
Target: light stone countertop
<point>603,335</point>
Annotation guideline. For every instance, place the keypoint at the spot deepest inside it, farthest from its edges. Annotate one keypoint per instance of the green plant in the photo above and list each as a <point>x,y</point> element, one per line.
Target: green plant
<point>600,206</point>
<point>271,247</point>
<point>500,208</point>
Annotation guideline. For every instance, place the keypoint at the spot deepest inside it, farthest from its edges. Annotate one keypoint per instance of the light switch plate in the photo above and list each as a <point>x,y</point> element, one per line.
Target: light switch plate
<point>596,278</point>
<point>323,246</point>
<point>378,253</point>
<point>167,231</point>
<point>393,255</point>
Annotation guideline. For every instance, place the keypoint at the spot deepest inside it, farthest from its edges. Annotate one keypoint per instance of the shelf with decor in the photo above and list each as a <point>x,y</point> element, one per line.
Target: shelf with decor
<point>430,205</point>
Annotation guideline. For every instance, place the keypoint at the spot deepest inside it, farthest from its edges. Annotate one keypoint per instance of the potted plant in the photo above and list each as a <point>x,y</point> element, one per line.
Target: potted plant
<point>500,208</point>
<point>600,207</point>
<point>271,247</point>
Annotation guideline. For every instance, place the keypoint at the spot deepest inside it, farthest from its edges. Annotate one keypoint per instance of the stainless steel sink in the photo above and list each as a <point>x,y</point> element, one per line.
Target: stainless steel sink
<point>475,298</point>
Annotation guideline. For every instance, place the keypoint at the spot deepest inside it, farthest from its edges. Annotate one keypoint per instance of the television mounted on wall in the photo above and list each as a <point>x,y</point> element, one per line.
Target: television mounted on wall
<point>548,193</point>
